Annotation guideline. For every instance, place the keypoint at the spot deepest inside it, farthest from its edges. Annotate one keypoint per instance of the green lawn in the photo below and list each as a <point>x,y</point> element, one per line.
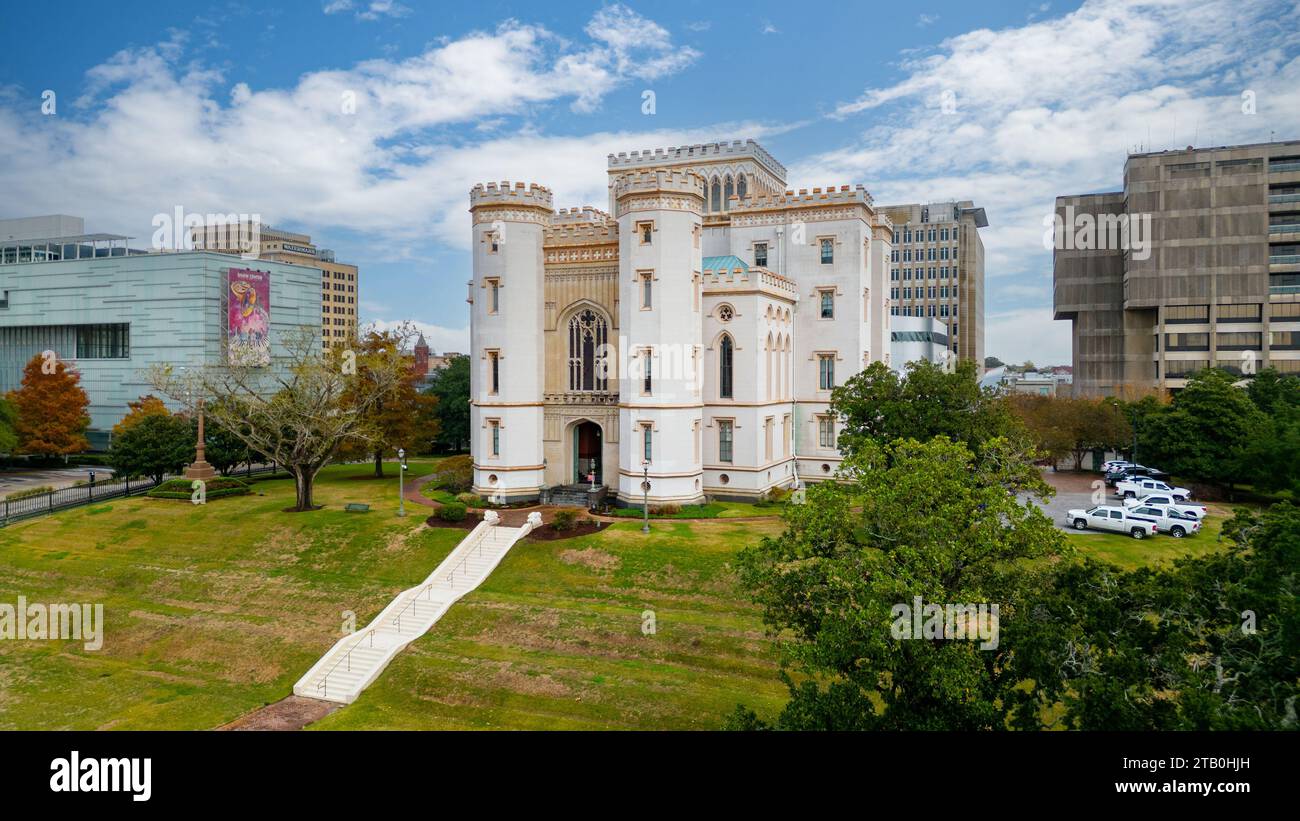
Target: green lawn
<point>553,640</point>
<point>1130,553</point>
<point>213,611</point>
<point>709,510</point>
<point>181,584</point>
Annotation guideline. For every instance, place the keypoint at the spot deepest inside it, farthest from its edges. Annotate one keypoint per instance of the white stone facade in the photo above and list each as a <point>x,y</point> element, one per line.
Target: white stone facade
<point>747,301</point>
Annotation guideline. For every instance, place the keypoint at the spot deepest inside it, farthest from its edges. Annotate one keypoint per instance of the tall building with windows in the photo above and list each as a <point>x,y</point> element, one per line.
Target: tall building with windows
<point>688,338</point>
<point>111,312</point>
<point>340,282</point>
<point>937,270</point>
<point>1195,263</point>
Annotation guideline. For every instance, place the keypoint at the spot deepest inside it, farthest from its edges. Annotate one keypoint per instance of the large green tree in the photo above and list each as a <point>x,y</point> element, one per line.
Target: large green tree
<point>878,406</point>
<point>910,520</point>
<point>451,386</point>
<point>1211,643</point>
<point>8,419</point>
<point>401,418</point>
<point>1206,432</point>
<point>153,445</point>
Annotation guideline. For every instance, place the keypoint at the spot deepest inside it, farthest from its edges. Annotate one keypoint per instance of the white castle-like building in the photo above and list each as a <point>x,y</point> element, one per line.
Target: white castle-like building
<point>690,335</point>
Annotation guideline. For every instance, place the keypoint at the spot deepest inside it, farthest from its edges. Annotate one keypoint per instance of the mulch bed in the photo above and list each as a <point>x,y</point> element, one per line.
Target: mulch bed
<point>582,527</point>
<point>291,713</point>
<point>470,521</point>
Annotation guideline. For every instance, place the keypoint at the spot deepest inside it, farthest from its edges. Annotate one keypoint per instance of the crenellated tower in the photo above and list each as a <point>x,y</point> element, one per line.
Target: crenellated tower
<point>506,324</point>
<point>660,398</point>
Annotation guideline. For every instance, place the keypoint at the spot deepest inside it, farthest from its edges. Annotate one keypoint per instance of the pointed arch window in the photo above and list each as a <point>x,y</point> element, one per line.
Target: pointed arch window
<point>717,195</point>
<point>727,192</point>
<point>726,357</point>
<point>588,338</point>
<point>742,188</point>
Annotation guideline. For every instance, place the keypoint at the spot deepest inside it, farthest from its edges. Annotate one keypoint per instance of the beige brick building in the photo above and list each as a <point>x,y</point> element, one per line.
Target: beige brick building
<point>1196,263</point>
<point>340,285</point>
<point>937,270</point>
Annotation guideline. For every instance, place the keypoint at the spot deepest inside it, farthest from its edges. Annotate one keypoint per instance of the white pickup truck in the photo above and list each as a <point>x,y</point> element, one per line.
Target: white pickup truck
<point>1168,520</point>
<point>1167,500</point>
<point>1113,518</point>
<point>1137,488</point>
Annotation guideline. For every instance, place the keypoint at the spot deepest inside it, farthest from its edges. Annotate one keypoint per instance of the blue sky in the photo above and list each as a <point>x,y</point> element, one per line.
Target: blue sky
<point>236,108</point>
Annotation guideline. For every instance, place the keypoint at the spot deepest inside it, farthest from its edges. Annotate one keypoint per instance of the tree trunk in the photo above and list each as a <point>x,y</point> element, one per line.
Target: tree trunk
<point>379,464</point>
<point>302,486</point>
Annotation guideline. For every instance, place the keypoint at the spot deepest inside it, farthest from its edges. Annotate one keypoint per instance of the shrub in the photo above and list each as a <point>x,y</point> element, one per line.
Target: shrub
<point>28,493</point>
<point>454,512</point>
<point>666,510</point>
<point>564,520</point>
<point>468,499</point>
<point>183,489</point>
<point>454,474</point>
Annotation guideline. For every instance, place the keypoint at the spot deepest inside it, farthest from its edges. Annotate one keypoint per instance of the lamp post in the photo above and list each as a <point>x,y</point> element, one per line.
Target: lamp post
<point>1133,421</point>
<point>645,496</point>
<point>401,482</point>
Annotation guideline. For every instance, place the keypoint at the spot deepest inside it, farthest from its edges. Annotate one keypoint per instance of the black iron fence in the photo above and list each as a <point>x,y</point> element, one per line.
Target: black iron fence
<point>14,510</point>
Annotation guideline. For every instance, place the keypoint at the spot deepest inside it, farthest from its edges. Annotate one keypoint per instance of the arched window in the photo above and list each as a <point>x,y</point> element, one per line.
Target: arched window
<point>588,335</point>
<point>725,357</point>
<point>728,190</point>
<point>717,195</point>
<point>742,189</point>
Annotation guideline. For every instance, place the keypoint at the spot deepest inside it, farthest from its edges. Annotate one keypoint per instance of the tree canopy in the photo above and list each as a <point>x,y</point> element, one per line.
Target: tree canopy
<point>451,386</point>
<point>51,408</point>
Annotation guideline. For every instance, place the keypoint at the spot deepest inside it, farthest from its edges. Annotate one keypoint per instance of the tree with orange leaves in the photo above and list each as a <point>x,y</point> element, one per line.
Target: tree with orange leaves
<point>51,404</point>
<point>147,405</point>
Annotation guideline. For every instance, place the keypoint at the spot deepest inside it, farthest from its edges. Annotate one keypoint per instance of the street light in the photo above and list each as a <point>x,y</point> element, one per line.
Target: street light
<point>645,496</point>
<point>401,482</point>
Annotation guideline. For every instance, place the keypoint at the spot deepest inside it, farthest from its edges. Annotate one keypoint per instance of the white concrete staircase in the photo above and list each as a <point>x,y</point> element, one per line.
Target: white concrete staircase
<point>358,659</point>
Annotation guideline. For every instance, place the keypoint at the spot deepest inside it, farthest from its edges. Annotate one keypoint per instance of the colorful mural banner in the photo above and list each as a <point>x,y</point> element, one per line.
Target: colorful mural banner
<point>248,317</point>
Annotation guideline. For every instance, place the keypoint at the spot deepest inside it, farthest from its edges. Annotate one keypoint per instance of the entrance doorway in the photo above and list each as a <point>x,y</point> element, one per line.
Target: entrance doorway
<point>587,446</point>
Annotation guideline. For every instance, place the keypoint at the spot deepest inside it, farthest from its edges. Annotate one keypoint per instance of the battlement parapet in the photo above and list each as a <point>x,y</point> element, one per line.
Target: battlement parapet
<point>516,195</point>
<point>700,152</point>
<point>662,179</point>
<point>831,195</point>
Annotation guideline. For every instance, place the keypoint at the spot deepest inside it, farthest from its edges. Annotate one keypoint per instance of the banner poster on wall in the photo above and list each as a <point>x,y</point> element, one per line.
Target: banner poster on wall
<point>248,317</point>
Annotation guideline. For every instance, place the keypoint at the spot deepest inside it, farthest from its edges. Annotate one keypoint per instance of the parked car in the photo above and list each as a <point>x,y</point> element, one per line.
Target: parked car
<point>1137,488</point>
<point>1115,465</point>
<point>1167,500</point>
<point>1134,472</point>
<point>1113,518</point>
<point>1170,520</point>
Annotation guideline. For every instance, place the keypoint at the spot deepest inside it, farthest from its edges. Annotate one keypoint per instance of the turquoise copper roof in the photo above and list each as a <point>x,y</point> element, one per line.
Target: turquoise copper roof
<point>728,262</point>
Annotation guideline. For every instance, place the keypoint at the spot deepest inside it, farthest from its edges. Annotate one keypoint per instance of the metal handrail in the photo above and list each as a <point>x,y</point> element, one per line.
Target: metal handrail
<point>397,620</point>
<point>321,685</point>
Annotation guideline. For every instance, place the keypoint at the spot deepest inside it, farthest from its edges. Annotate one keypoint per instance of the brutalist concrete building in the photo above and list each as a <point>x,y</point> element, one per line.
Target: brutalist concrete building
<point>1195,263</point>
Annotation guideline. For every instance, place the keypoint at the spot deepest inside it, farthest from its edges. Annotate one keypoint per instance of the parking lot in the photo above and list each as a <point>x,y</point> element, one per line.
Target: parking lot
<point>1073,490</point>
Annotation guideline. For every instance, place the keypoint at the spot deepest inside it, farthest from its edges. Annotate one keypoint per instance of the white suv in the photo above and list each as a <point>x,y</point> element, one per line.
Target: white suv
<point>1113,518</point>
<point>1136,488</point>
<point>1168,520</point>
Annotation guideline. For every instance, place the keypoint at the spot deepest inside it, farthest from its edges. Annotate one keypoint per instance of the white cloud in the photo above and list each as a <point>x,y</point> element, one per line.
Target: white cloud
<point>374,10</point>
<point>379,147</point>
<point>1053,107</point>
<point>439,338</point>
<point>924,20</point>
<point>1027,334</point>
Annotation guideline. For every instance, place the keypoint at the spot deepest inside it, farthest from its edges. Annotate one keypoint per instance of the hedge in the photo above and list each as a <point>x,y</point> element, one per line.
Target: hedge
<point>183,488</point>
